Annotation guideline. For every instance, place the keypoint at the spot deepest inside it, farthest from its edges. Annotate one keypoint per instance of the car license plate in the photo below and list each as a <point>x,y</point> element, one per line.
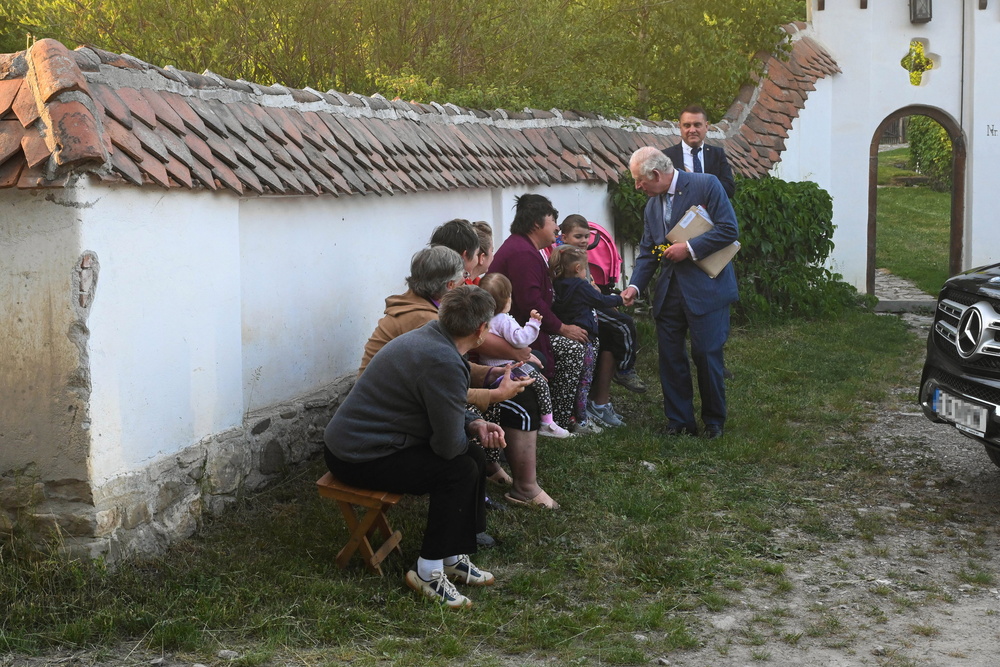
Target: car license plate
<point>967,417</point>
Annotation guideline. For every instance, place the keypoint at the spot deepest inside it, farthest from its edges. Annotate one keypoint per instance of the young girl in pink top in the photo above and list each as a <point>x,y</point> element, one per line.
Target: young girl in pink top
<point>505,326</point>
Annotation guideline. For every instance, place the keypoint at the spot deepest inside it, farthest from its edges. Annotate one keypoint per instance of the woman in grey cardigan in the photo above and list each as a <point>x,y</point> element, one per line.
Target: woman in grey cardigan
<point>404,428</point>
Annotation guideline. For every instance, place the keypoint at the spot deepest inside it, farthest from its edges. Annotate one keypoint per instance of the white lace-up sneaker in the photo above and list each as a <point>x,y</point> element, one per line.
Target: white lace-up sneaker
<point>464,572</point>
<point>438,589</point>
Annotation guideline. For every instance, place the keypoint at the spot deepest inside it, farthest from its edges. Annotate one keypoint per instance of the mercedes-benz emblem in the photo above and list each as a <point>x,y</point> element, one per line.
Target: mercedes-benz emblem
<point>970,330</point>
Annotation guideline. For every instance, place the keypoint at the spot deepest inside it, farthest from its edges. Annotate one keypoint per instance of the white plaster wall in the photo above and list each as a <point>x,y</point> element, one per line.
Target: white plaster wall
<point>316,271</point>
<point>982,129</point>
<point>868,45</point>
<point>809,144</point>
<point>165,324</point>
<point>209,306</point>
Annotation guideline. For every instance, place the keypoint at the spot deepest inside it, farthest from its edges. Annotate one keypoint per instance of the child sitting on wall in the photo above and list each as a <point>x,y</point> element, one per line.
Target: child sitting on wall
<point>505,326</point>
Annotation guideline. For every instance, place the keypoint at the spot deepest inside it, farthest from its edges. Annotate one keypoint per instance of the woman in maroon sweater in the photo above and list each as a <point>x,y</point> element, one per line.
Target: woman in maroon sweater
<point>519,258</point>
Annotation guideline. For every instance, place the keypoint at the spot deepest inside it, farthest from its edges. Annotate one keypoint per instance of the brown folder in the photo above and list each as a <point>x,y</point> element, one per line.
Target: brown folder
<point>696,222</point>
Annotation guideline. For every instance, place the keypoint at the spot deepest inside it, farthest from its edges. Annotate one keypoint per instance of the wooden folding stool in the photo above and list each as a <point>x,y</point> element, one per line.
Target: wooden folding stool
<point>376,504</point>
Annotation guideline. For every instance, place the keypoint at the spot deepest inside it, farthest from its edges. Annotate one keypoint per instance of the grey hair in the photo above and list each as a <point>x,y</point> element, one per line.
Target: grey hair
<point>464,309</point>
<point>431,269</point>
<point>648,159</point>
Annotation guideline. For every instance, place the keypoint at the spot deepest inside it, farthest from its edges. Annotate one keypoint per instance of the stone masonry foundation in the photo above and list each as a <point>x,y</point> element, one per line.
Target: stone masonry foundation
<point>142,513</point>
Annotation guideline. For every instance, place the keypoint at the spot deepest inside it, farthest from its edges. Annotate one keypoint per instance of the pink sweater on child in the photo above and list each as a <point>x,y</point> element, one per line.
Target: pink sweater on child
<point>505,326</point>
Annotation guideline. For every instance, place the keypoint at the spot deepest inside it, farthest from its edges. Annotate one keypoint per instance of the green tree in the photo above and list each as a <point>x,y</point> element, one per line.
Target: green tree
<point>643,57</point>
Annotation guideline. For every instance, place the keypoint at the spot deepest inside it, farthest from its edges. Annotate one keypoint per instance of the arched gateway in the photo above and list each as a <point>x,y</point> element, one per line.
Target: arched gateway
<point>957,217</point>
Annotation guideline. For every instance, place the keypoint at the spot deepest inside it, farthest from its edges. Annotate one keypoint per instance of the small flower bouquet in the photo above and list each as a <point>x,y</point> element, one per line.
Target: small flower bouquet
<point>659,250</point>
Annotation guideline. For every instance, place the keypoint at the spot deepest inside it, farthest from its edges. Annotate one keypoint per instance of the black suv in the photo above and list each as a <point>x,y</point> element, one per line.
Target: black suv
<point>961,379</point>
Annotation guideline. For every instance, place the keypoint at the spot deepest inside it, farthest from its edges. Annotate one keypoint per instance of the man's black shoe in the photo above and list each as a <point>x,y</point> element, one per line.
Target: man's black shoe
<point>713,432</point>
<point>484,541</point>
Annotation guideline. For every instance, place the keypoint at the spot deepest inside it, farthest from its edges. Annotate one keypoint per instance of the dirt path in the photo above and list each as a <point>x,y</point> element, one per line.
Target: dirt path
<point>912,577</point>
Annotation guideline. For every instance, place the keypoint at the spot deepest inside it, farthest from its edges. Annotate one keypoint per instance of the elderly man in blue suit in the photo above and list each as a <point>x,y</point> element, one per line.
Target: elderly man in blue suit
<point>686,298</point>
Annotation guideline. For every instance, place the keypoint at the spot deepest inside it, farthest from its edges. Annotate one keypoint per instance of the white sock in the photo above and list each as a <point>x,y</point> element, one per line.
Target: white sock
<point>426,567</point>
<point>547,419</point>
<point>451,560</point>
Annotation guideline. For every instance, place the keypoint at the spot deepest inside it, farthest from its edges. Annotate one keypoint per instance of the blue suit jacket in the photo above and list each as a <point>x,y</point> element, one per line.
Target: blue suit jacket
<point>713,161</point>
<point>702,294</point>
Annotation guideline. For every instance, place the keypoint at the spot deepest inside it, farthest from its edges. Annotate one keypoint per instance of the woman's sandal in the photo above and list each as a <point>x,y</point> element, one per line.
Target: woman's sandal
<point>500,477</point>
<point>541,500</point>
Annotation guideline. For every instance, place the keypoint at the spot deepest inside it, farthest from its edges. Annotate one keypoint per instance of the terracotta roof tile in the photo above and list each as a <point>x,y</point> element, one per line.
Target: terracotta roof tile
<point>246,176</point>
<point>154,169</point>
<point>11,134</point>
<point>176,146</point>
<point>203,173</point>
<point>249,122</point>
<point>126,168</point>
<point>151,142</point>
<point>269,178</point>
<point>36,151</point>
<point>75,138</point>
<point>271,128</point>
<point>54,70</point>
<point>192,121</point>
<point>25,107</point>
<point>227,177</point>
<point>163,112</point>
<point>8,91</point>
<point>123,139</point>
<point>178,171</point>
<point>10,171</point>
<point>113,105</point>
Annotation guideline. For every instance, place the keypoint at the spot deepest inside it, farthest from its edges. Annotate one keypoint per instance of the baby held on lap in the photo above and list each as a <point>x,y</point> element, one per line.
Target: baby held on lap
<point>505,326</point>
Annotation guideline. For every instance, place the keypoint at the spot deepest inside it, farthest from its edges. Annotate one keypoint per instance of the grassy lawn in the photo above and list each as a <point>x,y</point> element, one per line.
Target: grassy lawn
<point>650,529</point>
<point>913,223</point>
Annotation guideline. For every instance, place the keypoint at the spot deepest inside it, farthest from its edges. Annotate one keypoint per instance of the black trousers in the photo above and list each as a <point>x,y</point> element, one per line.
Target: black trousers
<point>457,489</point>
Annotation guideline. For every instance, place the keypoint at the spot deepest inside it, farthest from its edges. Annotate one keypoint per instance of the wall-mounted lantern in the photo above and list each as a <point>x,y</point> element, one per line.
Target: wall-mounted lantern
<point>920,11</point>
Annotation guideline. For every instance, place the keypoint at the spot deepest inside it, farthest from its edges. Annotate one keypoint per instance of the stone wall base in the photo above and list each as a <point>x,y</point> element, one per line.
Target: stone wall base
<point>142,513</point>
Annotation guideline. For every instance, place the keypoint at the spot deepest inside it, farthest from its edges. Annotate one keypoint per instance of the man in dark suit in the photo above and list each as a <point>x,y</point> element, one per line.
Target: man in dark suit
<point>686,298</point>
<point>694,155</point>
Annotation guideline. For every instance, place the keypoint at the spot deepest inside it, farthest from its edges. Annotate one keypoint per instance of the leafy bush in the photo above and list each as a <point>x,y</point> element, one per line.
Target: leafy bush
<point>786,232</point>
<point>627,206</point>
<point>930,150</point>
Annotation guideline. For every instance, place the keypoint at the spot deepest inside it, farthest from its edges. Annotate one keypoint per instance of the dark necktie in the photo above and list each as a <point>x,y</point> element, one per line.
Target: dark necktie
<point>668,207</point>
<point>696,161</point>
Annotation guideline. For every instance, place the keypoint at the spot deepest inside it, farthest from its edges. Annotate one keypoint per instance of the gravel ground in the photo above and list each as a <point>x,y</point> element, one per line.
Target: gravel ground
<point>920,589</point>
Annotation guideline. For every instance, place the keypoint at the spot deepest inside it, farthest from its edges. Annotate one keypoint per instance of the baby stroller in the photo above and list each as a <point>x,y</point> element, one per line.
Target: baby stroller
<point>604,258</point>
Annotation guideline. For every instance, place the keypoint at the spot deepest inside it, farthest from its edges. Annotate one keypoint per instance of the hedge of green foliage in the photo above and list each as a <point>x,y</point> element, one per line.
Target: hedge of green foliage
<point>930,150</point>
<point>786,233</point>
